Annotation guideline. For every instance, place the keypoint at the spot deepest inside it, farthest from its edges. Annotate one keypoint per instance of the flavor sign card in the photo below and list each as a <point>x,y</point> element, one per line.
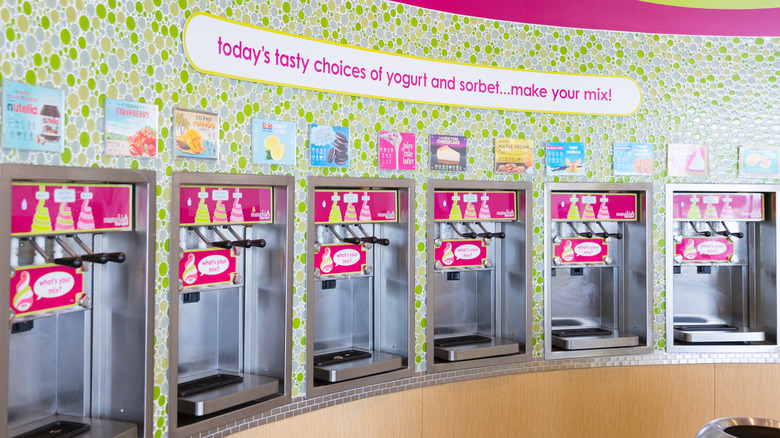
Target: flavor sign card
<point>340,259</point>
<point>336,207</point>
<point>760,162</point>
<point>584,206</point>
<point>633,159</point>
<point>131,128</point>
<point>514,155</point>
<point>461,253</point>
<point>32,118</point>
<point>448,152</point>
<point>44,288</point>
<point>207,267</point>
<point>196,134</point>
<point>397,150</point>
<point>329,146</point>
<point>224,205</point>
<point>273,142</point>
<point>565,159</point>
<point>581,250</point>
<point>76,208</point>
<point>688,160</point>
<point>472,206</point>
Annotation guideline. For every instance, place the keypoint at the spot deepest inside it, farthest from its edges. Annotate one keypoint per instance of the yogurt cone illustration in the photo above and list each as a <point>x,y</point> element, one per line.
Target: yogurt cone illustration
<point>365,210</point>
<point>64,220</point>
<point>484,211</point>
<point>190,274</point>
<point>23,293</point>
<point>220,214</point>
<point>471,213</point>
<point>335,212</point>
<point>448,258</point>
<point>603,213</point>
<point>690,252</point>
<point>710,213</point>
<point>351,215</point>
<point>236,213</point>
<point>41,221</point>
<point>327,262</point>
<point>202,216</point>
<point>574,211</point>
<point>455,213</point>
<point>86,219</point>
<point>568,254</point>
<point>588,213</point>
<point>727,212</point>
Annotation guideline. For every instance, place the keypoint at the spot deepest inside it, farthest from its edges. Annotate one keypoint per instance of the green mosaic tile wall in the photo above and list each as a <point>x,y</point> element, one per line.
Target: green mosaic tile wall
<point>714,90</point>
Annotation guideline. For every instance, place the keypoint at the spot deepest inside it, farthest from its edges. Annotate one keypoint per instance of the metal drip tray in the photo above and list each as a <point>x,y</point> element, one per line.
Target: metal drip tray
<point>468,347</point>
<point>715,333</point>
<point>66,426</point>
<point>339,357</point>
<point>592,338</point>
<point>209,399</point>
<point>342,370</point>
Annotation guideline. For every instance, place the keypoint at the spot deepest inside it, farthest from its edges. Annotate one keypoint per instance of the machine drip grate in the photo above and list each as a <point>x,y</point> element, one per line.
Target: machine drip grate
<point>460,340</point>
<point>207,383</point>
<point>340,356</point>
<point>57,429</point>
<point>571,333</point>
<point>706,328</point>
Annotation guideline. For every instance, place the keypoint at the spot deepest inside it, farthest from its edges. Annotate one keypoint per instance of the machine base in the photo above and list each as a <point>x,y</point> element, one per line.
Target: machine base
<point>206,402</point>
<point>458,348</point>
<point>720,333</point>
<point>592,338</point>
<point>352,369</point>
<point>92,428</point>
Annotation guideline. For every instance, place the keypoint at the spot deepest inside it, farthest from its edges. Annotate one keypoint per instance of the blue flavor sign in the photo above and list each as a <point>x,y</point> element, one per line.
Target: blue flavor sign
<point>32,117</point>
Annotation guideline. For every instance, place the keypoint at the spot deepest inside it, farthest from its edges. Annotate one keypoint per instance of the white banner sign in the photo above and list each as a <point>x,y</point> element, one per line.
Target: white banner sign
<point>224,47</point>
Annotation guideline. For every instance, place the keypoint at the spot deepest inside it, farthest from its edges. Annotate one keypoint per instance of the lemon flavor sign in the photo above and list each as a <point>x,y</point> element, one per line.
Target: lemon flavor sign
<point>273,142</point>
<point>195,134</point>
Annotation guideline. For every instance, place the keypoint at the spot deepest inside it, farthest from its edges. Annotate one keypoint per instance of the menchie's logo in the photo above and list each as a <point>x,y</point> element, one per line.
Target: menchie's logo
<point>24,109</point>
<point>121,220</point>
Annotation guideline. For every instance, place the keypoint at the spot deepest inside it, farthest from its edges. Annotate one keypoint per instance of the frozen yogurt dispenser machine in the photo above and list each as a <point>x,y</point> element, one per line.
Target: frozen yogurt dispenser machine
<point>479,265</point>
<point>359,282</point>
<point>231,291</point>
<point>598,269</point>
<point>77,354</point>
<point>721,258</point>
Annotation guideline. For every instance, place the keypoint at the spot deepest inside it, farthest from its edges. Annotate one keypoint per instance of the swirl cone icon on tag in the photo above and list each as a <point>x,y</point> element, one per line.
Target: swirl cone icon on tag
<point>23,293</point>
<point>574,211</point>
<point>448,257</point>
<point>455,213</point>
<point>335,212</point>
<point>64,220</point>
<point>236,213</point>
<point>588,213</point>
<point>568,254</point>
<point>190,274</point>
<point>484,211</point>
<point>351,215</point>
<point>202,216</point>
<point>326,265</point>
<point>86,220</point>
<point>365,210</point>
<point>220,214</point>
<point>690,252</point>
<point>471,213</point>
<point>41,221</point>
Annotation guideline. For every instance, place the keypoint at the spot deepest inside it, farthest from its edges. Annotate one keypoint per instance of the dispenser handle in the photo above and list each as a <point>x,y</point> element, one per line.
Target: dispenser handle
<point>225,244</point>
<point>383,242</point>
<point>499,235</point>
<point>101,258</point>
<point>352,240</point>
<point>242,243</point>
<point>72,262</point>
<point>116,257</point>
<point>617,236</point>
<point>370,239</point>
<point>469,235</point>
<point>260,243</point>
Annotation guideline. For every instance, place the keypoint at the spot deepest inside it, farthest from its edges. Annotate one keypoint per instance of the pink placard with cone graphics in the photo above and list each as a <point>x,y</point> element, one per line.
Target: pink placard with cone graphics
<point>718,206</point>
<point>582,207</point>
<point>40,208</point>
<point>340,259</point>
<point>474,206</point>
<point>353,207</point>
<point>461,253</point>
<point>581,250</point>
<point>225,205</point>
<point>45,288</point>
<point>701,249</point>
<point>205,267</point>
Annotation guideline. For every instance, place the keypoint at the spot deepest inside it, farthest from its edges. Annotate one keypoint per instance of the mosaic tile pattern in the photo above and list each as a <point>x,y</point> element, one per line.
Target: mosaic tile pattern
<point>713,90</point>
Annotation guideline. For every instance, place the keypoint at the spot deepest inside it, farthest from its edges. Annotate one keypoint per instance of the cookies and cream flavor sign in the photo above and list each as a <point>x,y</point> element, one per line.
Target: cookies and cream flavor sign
<point>633,159</point>
<point>514,155</point>
<point>195,134</point>
<point>329,146</point>
<point>565,158</point>
<point>759,162</point>
<point>448,152</point>
<point>32,117</point>
<point>688,160</point>
<point>273,142</point>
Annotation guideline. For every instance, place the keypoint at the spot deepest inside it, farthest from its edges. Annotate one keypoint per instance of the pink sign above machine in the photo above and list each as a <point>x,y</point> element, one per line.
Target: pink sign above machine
<point>44,288</point>
<point>224,205</point>
<point>340,259</point>
<point>462,206</point>
<point>704,249</point>
<point>355,207</point>
<point>39,208</point>
<point>583,207</point>
<point>718,206</point>
<point>205,267</point>
<point>581,250</point>
<point>461,253</point>
<point>682,17</point>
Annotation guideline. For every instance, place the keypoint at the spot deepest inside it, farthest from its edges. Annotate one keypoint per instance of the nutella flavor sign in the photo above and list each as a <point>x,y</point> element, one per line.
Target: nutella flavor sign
<point>32,117</point>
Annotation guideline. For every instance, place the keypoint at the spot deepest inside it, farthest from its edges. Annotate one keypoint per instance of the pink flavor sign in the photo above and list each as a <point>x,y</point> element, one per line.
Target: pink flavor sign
<point>41,208</point>
<point>701,249</point>
<point>44,288</point>
<point>718,206</point>
<point>461,253</point>
<point>205,267</point>
<point>340,258</point>
<point>581,250</point>
<point>225,205</point>
<point>397,150</point>
<point>474,205</point>
<point>584,207</point>
<point>356,206</point>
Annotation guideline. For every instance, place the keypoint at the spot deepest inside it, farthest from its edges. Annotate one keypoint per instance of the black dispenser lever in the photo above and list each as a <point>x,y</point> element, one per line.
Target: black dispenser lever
<point>587,234</point>
<point>487,234</point>
<point>466,235</point>
<point>700,233</point>
<point>353,240</point>
<point>101,258</point>
<point>372,239</point>
<point>73,262</point>
<point>605,233</point>
<point>738,234</point>
<point>239,242</point>
<point>225,244</point>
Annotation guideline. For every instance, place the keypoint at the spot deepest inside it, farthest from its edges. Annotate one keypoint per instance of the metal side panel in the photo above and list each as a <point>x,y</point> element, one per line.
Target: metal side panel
<point>617,339</point>
<point>496,347</point>
<point>97,428</point>
<point>377,363</point>
<point>207,402</point>
<point>718,336</point>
